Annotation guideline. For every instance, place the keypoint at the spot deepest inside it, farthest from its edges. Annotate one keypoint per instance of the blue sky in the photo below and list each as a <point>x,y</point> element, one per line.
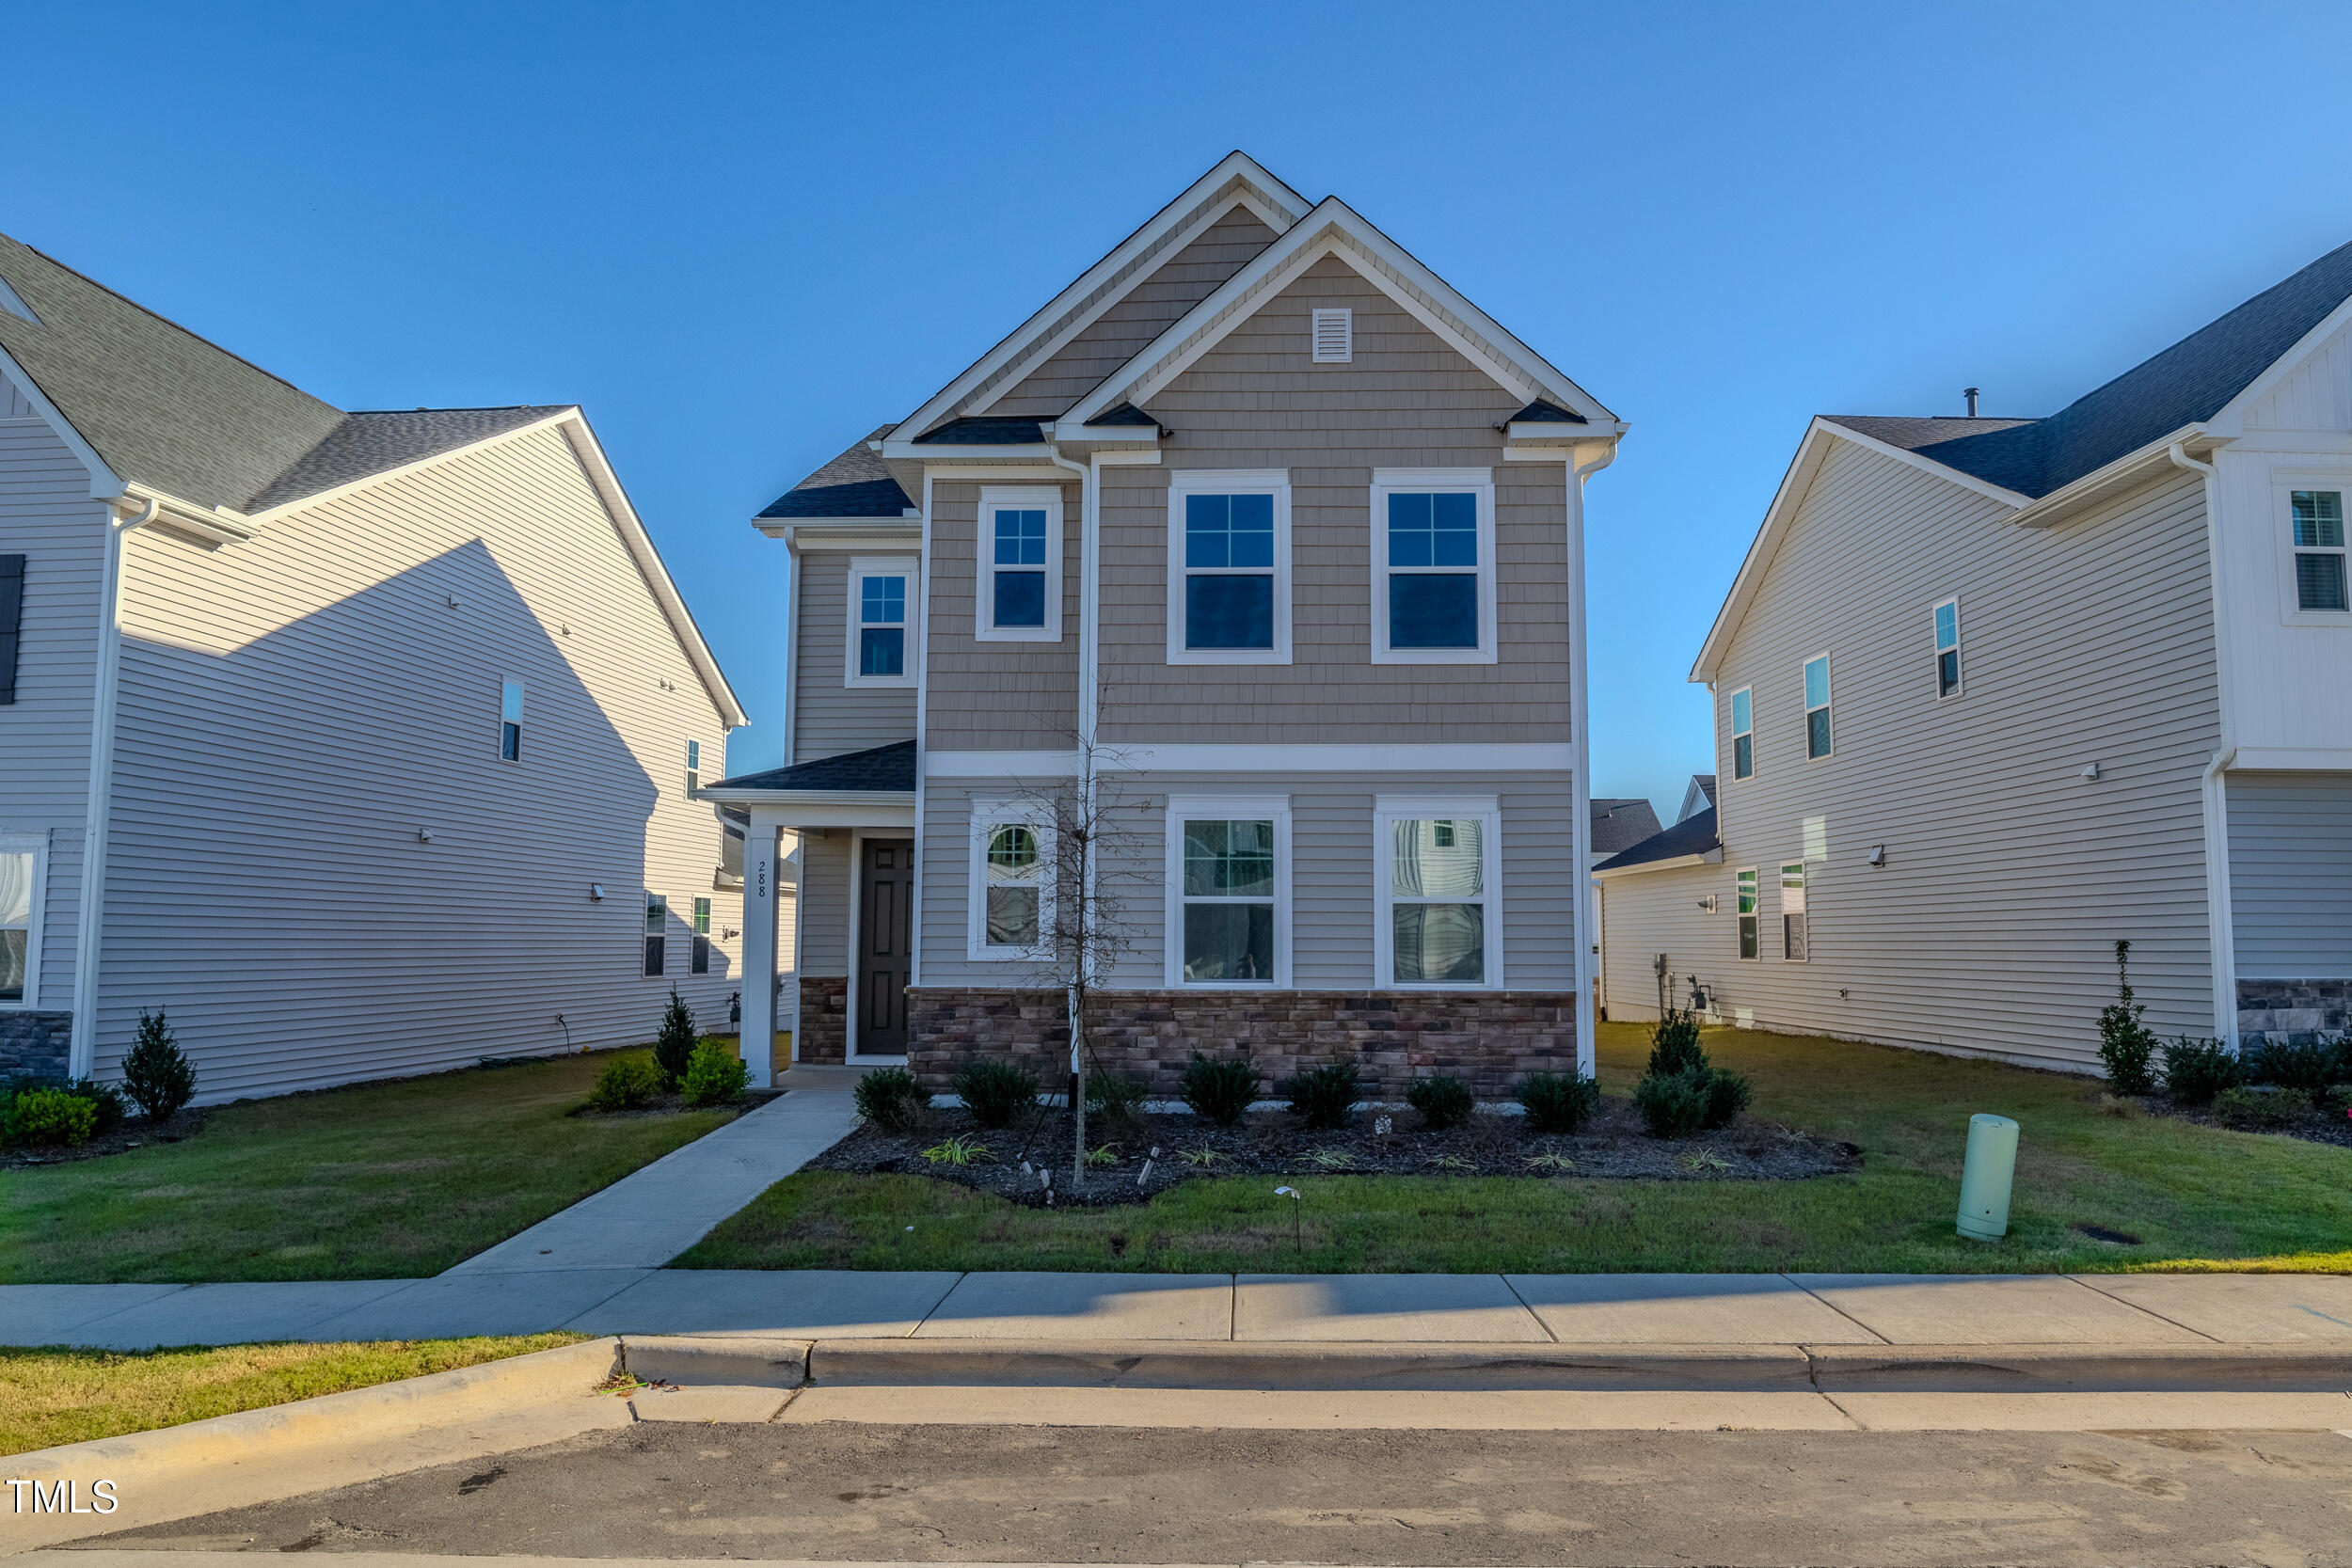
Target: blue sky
<point>744,235</point>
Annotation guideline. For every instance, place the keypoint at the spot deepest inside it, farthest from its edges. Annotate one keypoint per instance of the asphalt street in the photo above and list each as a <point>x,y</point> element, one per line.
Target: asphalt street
<point>1027,1494</point>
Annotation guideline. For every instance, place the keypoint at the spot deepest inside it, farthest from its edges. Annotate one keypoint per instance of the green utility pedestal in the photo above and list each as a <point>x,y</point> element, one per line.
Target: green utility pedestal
<point>1986,1176</point>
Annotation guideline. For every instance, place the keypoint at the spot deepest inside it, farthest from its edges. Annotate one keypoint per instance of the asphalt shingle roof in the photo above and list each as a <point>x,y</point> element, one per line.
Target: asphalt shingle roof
<point>857,483</point>
<point>376,440</point>
<point>882,768</point>
<point>2186,384</point>
<point>1621,824</point>
<point>1694,835</point>
<point>989,431</point>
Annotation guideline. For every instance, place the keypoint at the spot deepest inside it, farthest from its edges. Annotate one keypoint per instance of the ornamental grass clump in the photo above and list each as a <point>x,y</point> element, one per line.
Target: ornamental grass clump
<point>157,1073</point>
<point>1324,1097</point>
<point>715,1075</point>
<point>997,1092</point>
<point>2126,1045</point>
<point>673,1047</point>
<point>2196,1070</point>
<point>1443,1103</point>
<point>892,1098</point>
<point>1220,1089</point>
<point>1558,1101</point>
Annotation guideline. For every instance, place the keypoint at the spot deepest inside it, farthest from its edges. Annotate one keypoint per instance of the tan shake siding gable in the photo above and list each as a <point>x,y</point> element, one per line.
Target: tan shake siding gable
<point>996,696</point>
<point>831,717</point>
<point>298,710</point>
<point>1254,402</point>
<point>46,514</point>
<point>2008,876</point>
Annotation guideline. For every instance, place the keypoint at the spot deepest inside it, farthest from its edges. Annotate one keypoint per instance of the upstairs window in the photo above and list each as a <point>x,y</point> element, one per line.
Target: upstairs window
<point>1019,584</point>
<point>1433,585</point>
<point>700,963</point>
<point>1750,945</point>
<point>693,766</point>
<point>511,722</point>
<point>1816,736</point>
<point>1948,649</point>
<point>11,621</point>
<point>1743,734</point>
<point>1441,861</point>
<point>1229,568</point>
<point>2319,567</point>
<point>1793,944</point>
<point>1228,881</point>
<point>657,932</point>
<point>881,598</point>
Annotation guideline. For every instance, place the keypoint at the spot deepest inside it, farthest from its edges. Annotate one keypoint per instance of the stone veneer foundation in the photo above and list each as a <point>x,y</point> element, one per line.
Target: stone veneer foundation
<point>2294,1011</point>
<point>33,1045</point>
<point>824,1030</point>
<point>1491,1040</point>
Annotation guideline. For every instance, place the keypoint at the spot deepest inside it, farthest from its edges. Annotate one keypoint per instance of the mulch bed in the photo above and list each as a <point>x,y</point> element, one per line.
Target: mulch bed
<point>672,1103</point>
<point>131,1132</point>
<point>2301,1120</point>
<point>1272,1143</point>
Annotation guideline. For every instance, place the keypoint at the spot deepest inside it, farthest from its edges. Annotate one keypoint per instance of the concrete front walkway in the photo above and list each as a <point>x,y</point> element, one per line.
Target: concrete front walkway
<point>2183,1312</point>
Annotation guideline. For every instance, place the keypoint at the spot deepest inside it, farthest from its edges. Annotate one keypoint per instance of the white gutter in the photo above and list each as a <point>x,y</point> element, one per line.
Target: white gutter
<point>81,1052</point>
<point>2220,916</point>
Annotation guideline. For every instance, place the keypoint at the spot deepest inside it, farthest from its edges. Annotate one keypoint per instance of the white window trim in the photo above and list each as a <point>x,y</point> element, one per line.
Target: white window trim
<point>1480,483</point>
<point>1755,914</point>
<point>984,627</point>
<point>1959,689</point>
<point>1804,906</point>
<point>862,568</point>
<point>38,846</point>
<point>2285,482</point>
<point>1388,810</point>
<point>1274,808</point>
<point>1731,717</point>
<point>987,815</point>
<point>1228,481</point>
<point>1804,701</point>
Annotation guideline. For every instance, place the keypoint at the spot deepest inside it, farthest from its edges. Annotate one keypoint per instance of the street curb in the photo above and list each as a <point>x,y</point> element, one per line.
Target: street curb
<point>750,1360</point>
<point>2089,1369</point>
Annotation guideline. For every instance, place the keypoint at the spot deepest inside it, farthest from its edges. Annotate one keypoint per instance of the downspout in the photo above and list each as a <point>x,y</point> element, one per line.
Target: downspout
<point>82,1051</point>
<point>1581,793</point>
<point>2220,916</point>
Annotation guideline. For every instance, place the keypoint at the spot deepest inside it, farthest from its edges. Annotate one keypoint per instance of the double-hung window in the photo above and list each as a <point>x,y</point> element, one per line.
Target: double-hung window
<point>1012,890</point>
<point>693,766</point>
<point>1751,946</point>
<point>2319,564</point>
<point>700,963</point>
<point>1948,649</point>
<point>1439,864</point>
<point>1793,946</point>
<point>1229,892</point>
<point>1229,568</point>
<point>1816,736</point>
<point>880,641</point>
<point>511,722</point>
<point>657,932</point>
<point>1433,566</point>
<point>24,877</point>
<point>1019,589</point>
<point>1743,734</point>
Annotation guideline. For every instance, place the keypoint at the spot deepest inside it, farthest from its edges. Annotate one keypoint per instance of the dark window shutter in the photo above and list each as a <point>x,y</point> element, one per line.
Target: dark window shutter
<point>11,621</point>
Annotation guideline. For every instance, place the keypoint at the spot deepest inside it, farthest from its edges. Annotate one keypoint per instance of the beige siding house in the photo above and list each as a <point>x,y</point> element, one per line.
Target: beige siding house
<point>364,744</point>
<point>1266,542</point>
<point>1991,694</point>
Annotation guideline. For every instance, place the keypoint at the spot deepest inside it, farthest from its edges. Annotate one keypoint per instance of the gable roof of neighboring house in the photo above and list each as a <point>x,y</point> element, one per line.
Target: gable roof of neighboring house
<point>857,483</point>
<point>1620,824</point>
<point>1697,796</point>
<point>164,411</point>
<point>1690,841</point>
<point>879,769</point>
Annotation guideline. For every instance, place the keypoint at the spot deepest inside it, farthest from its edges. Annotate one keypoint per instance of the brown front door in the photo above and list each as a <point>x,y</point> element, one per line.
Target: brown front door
<point>885,900</point>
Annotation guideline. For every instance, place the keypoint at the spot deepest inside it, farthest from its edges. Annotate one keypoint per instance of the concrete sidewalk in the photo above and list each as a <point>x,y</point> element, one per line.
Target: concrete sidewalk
<point>2188,1314</point>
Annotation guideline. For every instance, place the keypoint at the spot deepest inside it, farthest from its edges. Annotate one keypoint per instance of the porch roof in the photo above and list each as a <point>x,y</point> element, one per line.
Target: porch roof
<point>880,780</point>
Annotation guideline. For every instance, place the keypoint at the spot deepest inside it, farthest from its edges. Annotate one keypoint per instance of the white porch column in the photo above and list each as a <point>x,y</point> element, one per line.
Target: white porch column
<point>759,951</point>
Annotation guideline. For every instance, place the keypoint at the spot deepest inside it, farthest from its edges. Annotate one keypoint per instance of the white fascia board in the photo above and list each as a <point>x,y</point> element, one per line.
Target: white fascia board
<point>2292,759</point>
<point>841,534</point>
<point>1038,453</point>
<point>1712,857</point>
<point>779,809</point>
<point>209,525</point>
<point>749,795</point>
<point>1334,229</point>
<point>105,485</point>
<point>1340,757</point>
<point>1000,765</point>
<point>1237,170</point>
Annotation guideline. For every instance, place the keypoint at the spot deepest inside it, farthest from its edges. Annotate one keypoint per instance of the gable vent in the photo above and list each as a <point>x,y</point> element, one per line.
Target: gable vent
<point>1335,336</point>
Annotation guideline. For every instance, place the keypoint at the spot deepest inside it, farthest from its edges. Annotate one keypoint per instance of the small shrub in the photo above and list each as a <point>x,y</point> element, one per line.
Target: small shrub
<point>42,1118</point>
<point>1220,1089</point>
<point>997,1092</point>
<point>157,1073</point>
<point>1727,1095</point>
<point>2304,1066</point>
<point>1325,1096</point>
<point>2126,1044</point>
<point>104,1099</point>
<point>1674,1045</point>
<point>1676,1105</point>
<point>673,1047</point>
<point>1118,1097</point>
<point>892,1098</point>
<point>2196,1070</point>
<point>715,1075</point>
<point>2251,1110</point>
<point>1558,1101</point>
<point>626,1084</point>
<point>1442,1103</point>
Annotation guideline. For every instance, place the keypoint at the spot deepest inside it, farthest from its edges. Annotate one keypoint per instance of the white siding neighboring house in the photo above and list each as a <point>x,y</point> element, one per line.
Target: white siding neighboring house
<point>1993,693</point>
<point>1266,532</point>
<point>357,742</point>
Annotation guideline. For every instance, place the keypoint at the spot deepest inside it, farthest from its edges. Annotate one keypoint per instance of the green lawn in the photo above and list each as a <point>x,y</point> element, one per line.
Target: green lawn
<point>381,1180</point>
<point>49,1397</point>
<point>2199,1197</point>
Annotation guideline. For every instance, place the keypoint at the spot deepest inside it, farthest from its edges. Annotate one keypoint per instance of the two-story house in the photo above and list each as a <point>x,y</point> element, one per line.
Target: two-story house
<point>1263,531</point>
<point>1991,695</point>
<point>363,744</point>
